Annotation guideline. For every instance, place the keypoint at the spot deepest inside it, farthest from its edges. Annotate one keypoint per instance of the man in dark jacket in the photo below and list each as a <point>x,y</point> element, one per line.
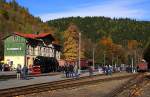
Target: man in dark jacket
<point>25,71</point>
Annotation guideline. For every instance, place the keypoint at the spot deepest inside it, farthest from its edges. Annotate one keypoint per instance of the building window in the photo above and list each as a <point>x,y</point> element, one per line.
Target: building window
<point>14,37</point>
<point>36,50</point>
<point>33,49</point>
<point>40,51</point>
<point>44,52</point>
<point>48,52</point>
<point>28,50</point>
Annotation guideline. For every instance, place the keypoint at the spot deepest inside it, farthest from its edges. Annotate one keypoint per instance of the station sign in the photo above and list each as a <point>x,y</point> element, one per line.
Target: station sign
<point>13,49</point>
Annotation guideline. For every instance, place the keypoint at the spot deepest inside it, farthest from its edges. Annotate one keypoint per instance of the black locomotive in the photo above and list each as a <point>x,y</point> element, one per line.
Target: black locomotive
<point>46,64</point>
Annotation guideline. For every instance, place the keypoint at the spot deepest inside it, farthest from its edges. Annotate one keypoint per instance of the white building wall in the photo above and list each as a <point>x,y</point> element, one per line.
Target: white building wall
<point>57,55</point>
<point>36,51</point>
<point>42,51</point>
<point>16,60</point>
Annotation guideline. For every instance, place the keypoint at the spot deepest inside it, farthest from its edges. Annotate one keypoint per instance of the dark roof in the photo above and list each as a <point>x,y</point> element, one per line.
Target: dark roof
<point>34,36</point>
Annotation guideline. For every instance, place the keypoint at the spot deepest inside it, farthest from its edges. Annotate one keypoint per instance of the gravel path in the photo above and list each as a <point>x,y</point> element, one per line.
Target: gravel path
<point>146,90</point>
<point>96,90</point>
<point>139,90</point>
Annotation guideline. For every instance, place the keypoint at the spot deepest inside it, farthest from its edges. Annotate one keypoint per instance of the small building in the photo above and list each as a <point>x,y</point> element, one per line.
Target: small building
<point>20,48</point>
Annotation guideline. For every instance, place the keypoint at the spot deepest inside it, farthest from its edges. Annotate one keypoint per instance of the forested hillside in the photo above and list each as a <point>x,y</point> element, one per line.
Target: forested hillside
<point>119,40</point>
<point>14,18</point>
<point>97,27</point>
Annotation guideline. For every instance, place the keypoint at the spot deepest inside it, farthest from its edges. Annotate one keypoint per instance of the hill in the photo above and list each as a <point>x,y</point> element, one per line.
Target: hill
<point>97,27</point>
<point>119,40</point>
<point>14,18</point>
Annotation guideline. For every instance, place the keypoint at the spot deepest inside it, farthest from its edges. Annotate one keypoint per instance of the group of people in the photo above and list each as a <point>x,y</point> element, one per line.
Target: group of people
<point>71,70</point>
<point>108,69</point>
<point>4,67</point>
<point>22,72</point>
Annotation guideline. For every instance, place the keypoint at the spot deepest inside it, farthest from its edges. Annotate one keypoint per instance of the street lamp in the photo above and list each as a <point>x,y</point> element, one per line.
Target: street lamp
<point>94,57</point>
<point>104,58</point>
<point>112,61</point>
<point>79,67</point>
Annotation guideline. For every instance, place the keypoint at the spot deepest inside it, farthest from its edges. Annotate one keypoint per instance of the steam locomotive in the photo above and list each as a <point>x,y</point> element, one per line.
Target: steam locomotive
<point>46,64</point>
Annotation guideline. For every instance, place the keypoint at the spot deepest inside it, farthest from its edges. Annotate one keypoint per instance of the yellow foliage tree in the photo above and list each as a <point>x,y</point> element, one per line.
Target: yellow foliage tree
<point>71,37</point>
<point>132,44</point>
<point>106,41</point>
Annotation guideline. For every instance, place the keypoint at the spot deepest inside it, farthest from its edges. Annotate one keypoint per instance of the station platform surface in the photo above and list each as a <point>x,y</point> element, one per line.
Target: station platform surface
<point>43,79</point>
<point>8,73</point>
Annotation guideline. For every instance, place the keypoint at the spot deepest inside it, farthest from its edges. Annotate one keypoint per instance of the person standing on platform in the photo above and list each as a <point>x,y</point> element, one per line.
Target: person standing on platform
<point>67,70</point>
<point>107,70</point>
<point>110,70</point>
<point>18,71</point>
<point>3,66</point>
<point>75,71</point>
<point>90,71</point>
<point>25,72</point>
<point>71,70</point>
<point>0,67</point>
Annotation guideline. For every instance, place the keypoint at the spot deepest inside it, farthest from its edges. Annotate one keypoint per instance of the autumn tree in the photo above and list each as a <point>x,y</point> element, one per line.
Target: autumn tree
<point>146,53</point>
<point>134,51</point>
<point>114,53</point>
<point>71,37</point>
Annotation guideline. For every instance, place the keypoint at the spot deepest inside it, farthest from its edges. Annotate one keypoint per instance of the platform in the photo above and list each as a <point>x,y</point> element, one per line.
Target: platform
<point>43,79</point>
<point>12,74</point>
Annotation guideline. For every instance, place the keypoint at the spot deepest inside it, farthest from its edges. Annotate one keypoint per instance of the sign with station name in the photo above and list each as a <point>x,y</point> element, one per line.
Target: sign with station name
<point>13,49</point>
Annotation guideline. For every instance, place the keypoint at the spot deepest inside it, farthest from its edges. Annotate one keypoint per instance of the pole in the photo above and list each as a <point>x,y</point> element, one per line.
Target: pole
<point>79,67</point>
<point>104,58</point>
<point>25,52</point>
<point>112,59</point>
<point>132,64</point>
<point>117,61</point>
<point>93,57</point>
<point>135,58</point>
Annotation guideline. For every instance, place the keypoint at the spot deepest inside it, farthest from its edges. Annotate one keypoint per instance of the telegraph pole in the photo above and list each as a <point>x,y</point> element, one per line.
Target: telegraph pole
<point>93,57</point>
<point>79,67</point>
<point>132,64</point>
<point>135,58</point>
<point>112,59</point>
<point>104,58</point>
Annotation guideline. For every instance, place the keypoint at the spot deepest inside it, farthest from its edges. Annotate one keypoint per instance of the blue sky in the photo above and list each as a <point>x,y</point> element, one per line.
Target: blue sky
<point>53,9</point>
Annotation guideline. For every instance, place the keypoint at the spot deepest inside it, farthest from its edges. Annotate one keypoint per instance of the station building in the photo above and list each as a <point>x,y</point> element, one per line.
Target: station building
<point>20,48</point>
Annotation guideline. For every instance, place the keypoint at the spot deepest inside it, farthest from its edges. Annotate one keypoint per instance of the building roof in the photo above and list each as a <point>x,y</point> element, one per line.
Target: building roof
<point>34,36</point>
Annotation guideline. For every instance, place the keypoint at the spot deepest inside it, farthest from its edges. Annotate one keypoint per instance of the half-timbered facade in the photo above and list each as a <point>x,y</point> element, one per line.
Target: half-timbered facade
<point>23,48</point>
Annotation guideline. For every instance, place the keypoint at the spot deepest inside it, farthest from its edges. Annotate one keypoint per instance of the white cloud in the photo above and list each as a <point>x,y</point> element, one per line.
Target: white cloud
<point>113,8</point>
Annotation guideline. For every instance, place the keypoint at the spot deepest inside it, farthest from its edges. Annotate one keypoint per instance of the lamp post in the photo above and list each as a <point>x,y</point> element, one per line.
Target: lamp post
<point>25,52</point>
<point>93,57</point>
<point>79,67</point>
<point>104,58</point>
<point>112,62</point>
<point>132,64</point>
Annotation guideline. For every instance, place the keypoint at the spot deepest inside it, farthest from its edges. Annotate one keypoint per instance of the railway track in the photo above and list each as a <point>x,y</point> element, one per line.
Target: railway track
<point>36,88</point>
<point>135,81</point>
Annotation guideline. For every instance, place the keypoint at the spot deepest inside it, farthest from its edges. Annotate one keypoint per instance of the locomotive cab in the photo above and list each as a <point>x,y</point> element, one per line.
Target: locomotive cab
<point>46,64</point>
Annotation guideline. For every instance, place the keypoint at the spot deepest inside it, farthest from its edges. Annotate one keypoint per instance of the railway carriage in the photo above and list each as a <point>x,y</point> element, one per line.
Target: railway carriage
<point>142,66</point>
